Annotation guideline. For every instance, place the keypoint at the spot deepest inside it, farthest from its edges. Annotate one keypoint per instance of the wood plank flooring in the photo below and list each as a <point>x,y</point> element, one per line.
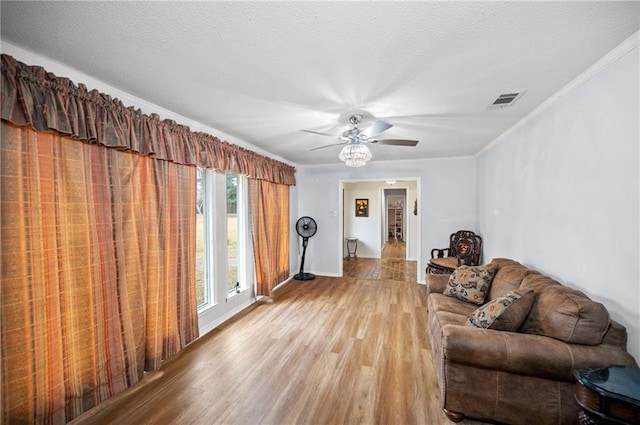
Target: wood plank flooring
<point>392,265</point>
<point>326,351</point>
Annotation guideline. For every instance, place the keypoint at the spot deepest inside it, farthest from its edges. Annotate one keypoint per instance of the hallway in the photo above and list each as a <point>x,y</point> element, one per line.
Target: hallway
<point>392,265</point>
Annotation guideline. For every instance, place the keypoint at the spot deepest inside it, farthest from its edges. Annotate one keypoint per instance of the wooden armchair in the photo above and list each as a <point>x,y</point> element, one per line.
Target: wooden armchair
<point>465,248</point>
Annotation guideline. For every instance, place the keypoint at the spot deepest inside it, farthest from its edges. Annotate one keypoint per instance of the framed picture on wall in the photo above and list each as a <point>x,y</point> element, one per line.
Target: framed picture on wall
<point>362,207</point>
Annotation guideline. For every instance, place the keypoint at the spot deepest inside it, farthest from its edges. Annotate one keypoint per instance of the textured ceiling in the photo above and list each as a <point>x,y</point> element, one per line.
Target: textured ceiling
<point>262,71</point>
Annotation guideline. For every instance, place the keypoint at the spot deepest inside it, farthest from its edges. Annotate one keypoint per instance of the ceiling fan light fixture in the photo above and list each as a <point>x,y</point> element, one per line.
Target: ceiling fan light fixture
<point>355,155</point>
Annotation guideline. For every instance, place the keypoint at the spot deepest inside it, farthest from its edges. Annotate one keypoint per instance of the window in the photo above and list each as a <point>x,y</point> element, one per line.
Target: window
<point>233,284</point>
<point>204,247</point>
<point>221,226</point>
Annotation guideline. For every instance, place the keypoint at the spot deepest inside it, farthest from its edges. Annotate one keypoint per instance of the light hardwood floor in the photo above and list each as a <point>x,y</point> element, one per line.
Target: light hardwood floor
<point>392,265</point>
<point>326,351</point>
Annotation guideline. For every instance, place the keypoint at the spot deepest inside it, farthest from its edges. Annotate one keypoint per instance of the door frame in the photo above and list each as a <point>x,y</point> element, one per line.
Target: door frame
<point>418,230</point>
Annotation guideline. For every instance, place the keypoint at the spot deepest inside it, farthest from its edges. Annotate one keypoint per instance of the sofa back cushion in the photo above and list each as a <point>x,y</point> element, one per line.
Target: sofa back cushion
<point>501,262</point>
<point>564,313</point>
<point>508,277</point>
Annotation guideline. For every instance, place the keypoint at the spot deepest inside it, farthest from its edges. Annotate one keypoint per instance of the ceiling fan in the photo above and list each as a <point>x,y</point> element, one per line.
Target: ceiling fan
<point>355,153</point>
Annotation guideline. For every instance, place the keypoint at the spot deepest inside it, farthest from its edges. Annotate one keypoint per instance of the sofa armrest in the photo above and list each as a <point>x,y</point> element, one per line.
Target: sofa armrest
<point>526,354</point>
<point>436,283</point>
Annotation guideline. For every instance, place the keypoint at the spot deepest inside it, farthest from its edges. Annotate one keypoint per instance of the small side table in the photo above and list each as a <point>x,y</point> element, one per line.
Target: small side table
<point>352,247</point>
<point>608,396</point>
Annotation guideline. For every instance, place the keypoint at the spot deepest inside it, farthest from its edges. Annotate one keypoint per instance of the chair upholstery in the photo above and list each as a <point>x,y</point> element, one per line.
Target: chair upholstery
<point>465,248</point>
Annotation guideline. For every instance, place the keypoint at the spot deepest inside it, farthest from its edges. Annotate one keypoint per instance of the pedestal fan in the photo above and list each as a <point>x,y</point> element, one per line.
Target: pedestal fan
<point>306,227</point>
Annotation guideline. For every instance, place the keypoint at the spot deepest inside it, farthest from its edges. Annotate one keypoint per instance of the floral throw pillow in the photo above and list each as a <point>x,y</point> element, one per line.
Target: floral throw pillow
<point>505,313</point>
<point>470,283</point>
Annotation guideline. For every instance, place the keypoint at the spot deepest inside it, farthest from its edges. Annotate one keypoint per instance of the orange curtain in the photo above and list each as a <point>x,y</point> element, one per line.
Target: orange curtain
<point>269,204</point>
<point>97,253</point>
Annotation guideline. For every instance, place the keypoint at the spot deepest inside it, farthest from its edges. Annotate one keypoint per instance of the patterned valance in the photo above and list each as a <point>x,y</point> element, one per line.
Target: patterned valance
<point>37,98</point>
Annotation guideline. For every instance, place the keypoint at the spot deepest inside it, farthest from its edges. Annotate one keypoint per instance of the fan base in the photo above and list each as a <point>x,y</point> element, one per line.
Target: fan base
<point>304,276</point>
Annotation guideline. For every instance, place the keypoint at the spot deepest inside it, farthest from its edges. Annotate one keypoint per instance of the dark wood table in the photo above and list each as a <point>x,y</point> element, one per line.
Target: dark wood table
<point>608,396</point>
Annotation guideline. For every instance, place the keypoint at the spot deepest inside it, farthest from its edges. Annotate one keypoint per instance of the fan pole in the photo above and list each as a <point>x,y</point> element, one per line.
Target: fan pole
<point>302,275</point>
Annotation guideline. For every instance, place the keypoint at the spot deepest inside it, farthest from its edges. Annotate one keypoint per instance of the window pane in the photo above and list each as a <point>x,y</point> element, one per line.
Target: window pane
<point>233,284</point>
<point>202,297</point>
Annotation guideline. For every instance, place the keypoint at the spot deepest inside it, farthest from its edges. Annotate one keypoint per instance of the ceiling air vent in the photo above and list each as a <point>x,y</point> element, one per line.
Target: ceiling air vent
<point>504,100</point>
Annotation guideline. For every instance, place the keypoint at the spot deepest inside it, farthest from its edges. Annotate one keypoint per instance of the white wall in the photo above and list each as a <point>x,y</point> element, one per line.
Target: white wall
<point>412,238</point>
<point>560,193</point>
<point>439,211</point>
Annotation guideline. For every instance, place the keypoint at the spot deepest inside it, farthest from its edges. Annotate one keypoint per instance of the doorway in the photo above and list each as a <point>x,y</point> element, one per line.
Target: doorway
<point>388,230</point>
<point>395,201</point>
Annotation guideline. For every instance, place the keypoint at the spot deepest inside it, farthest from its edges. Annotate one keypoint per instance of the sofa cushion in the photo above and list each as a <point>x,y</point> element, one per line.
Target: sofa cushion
<point>565,314</point>
<point>505,313</point>
<point>436,283</point>
<point>470,283</point>
<point>440,303</point>
<point>537,282</point>
<point>501,262</point>
<point>616,335</point>
<point>507,278</point>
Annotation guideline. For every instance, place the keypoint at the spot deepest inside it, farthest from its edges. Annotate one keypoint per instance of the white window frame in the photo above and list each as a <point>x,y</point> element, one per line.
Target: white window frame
<point>208,192</point>
<point>223,305</point>
<point>243,231</point>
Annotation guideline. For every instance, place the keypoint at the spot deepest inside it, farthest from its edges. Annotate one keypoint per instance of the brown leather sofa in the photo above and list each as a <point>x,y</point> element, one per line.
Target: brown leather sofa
<point>521,377</point>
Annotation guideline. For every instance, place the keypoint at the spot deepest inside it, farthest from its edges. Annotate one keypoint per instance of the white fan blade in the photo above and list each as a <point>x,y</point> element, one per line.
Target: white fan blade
<point>322,134</point>
<point>326,146</point>
<point>376,128</point>
<point>395,142</point>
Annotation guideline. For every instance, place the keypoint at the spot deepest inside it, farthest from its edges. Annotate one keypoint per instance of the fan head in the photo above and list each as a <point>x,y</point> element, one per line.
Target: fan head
<point>306,227</point>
